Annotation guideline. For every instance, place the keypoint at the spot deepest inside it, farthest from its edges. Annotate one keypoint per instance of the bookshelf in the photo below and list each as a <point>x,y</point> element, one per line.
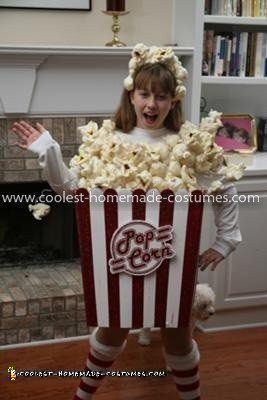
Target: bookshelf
<point>232,80</point>
<point>252,90</point>
<point>222,19</point>
<point>240,282</point>
<point>236,94</point>
<point>239,8</point>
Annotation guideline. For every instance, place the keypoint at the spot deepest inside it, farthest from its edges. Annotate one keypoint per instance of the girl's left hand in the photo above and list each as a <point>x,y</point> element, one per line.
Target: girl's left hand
<point>209,256</point>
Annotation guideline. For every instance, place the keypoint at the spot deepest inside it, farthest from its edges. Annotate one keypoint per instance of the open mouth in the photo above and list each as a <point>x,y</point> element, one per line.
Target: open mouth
<point>150,118</point>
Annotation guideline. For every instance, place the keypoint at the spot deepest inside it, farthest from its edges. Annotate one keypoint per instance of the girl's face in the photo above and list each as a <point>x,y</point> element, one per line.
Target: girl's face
<point>151,108</point>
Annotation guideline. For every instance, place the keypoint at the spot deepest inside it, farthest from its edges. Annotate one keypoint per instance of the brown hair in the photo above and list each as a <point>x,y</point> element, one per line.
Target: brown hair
<point>156,77</point>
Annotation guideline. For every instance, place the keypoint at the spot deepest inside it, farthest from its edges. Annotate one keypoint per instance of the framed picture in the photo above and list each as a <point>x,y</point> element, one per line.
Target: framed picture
<point>238,133</point>
<point>48,4</point>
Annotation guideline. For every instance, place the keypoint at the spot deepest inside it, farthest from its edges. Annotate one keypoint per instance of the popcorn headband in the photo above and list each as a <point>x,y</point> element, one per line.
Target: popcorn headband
<point>142,54</point>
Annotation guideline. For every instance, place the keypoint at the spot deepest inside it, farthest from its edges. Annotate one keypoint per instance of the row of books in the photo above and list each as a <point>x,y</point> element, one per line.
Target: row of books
<point>235,54</point>
<point>238,8</point>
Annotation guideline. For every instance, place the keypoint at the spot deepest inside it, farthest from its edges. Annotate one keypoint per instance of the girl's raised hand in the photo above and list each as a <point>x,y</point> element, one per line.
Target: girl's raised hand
<point>26,133</point>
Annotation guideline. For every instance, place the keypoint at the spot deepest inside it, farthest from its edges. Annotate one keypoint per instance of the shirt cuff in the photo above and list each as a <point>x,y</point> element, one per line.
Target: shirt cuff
<point>41,144</point>
<point>223,248</point>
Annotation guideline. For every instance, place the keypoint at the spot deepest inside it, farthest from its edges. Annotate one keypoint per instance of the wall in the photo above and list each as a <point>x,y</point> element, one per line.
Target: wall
<point>149,21</point>
<point>17,165</point>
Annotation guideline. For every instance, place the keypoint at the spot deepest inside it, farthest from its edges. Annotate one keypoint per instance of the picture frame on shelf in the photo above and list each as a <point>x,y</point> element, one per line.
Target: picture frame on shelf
<point>75,5</point>
<point>237,134</point>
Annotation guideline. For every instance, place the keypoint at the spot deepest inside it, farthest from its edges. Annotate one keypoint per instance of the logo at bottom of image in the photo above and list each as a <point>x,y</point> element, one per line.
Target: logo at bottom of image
<point>11,371</point>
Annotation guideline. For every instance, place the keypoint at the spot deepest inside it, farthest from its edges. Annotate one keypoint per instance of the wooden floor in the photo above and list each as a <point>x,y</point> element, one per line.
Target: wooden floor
<point>233,367</point>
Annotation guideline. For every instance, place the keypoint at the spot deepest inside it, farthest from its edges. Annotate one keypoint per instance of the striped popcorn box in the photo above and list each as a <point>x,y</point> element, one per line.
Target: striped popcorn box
<point>139,253</point>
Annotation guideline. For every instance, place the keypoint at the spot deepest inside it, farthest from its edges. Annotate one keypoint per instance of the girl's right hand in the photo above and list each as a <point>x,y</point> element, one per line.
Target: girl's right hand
<point>26,133</point>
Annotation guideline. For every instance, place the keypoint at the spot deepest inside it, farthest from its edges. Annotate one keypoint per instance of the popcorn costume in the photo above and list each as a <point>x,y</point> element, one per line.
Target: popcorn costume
<point>146,159</point>
<point>173,169</point>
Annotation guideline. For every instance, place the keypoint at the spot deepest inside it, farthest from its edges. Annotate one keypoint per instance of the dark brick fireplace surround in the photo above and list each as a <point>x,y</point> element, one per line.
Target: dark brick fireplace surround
<point>38,300</point>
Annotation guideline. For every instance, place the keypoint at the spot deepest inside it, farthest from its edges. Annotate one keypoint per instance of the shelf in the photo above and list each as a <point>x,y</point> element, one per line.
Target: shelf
<point>222,19</point>
<point>256,163</point>
<point>232,80</point>
<point>81,50</point>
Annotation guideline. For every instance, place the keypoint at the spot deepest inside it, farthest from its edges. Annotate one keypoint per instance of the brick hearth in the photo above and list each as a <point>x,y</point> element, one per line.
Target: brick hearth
<point>41,302</point>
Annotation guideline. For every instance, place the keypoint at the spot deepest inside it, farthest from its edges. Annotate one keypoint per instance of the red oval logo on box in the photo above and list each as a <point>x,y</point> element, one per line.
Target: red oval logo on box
<point>138,248</point>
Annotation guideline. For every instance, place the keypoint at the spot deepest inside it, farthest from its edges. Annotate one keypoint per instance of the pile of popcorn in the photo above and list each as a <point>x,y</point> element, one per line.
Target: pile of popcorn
<point>188,160</point>
<point>143,54</point>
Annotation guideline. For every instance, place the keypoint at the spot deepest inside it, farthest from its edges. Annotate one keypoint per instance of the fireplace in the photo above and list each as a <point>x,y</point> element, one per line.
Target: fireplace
<point>25,240</point>
<point>62,88</point>
<point>41,296</point>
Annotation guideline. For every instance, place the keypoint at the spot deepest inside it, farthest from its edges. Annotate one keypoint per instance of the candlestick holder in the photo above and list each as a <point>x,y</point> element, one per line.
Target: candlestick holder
<point>115,27</point>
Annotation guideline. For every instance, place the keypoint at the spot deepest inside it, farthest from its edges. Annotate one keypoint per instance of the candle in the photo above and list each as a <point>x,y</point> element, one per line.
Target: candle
<point>115,5</point>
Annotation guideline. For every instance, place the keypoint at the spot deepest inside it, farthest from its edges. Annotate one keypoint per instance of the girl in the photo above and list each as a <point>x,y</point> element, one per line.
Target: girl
<point>150,108</point>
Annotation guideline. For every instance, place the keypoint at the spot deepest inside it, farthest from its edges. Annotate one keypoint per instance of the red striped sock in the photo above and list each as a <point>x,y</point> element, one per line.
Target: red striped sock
<point>185,373</point>
<point>100,359</point>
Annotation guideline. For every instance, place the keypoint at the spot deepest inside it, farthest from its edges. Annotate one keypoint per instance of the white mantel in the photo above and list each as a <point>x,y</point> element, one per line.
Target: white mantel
<point>62,80</point>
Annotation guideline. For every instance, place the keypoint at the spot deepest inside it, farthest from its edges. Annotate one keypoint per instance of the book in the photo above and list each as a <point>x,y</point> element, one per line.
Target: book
<point>238,10</point>
<point>263,53</point>
<point>243,53</point>
<point>237,54</point>
<point>253,54</point>
<point>265,60</point>
<point>209,49</point>
<point>249,8</point>
<point>222,7</point>
<point>222,56</point>
<point>233,52</point>
<point>263,8</point>
<point>205,66</point>
<point>244,8</point>
<point>214,45</point>
<point>248,53</point>
<point>255,8</point>
<point>228,56</point>
<point>215,7</point>
<point>208,7</point>
<point>228,8</point>
<point>218,49</point>
<point>258,55</point>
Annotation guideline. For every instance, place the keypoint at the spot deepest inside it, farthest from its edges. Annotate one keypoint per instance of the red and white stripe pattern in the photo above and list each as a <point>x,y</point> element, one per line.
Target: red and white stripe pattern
<point>187,383</point>
<point>89,385</point>
<point>160,299</point>
<point>185,373</point>
<point>100,359</point>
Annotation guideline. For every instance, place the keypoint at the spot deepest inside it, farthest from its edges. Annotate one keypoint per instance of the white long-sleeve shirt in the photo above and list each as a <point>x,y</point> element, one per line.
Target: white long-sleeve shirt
<point>63,179</point>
